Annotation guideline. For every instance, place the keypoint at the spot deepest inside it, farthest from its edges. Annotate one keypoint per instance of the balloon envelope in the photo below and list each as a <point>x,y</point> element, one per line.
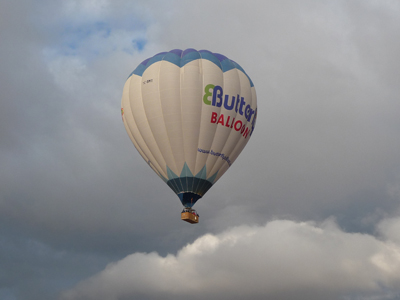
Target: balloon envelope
<point>189,114</point>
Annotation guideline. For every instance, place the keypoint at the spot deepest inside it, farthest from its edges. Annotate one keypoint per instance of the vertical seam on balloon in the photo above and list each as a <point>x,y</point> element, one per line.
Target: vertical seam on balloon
<point>200,184</point>
<point>212,171</point>
<point>145,113</point>
<point>141,135</point>
<point>201,118</point>
<point>247,122</point>
<point>162,112</point>
<point>165,126</point>
<point>216,130</point>
<point>232,131</point>
<point>151,130</point>
<point>196,190</point>
<point>180,100</point>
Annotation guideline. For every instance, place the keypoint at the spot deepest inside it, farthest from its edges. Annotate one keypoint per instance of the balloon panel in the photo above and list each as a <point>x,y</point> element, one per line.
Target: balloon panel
<point>189,114</point>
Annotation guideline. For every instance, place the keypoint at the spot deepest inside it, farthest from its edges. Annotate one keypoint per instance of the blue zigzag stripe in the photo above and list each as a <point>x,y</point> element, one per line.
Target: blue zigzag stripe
<point>189,188</point>
<point>181,57</point>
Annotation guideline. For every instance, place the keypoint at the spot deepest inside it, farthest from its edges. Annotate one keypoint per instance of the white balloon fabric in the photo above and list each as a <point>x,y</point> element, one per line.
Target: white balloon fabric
<point>189,114</point>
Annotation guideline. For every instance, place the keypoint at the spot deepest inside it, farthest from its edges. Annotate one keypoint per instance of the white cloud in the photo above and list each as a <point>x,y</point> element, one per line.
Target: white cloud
<point>390,229</point>
<point>326,143</point>
<point>86,7</point>
<point>281,260</point>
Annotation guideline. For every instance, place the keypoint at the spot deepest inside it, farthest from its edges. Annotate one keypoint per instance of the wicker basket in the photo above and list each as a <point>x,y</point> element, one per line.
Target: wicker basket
<point>190,217</point>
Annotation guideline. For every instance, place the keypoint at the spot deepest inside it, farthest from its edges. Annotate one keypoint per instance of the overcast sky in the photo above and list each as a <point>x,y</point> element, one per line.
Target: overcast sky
<point>310,210</point>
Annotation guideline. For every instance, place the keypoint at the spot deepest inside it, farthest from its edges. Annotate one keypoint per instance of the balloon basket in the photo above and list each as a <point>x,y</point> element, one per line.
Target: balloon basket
<point>189,215</point>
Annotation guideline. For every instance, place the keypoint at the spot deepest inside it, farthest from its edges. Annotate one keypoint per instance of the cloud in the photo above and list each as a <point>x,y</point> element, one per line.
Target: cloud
<point>281,260</point>
<point>326,143</point>
<point>390,229</point>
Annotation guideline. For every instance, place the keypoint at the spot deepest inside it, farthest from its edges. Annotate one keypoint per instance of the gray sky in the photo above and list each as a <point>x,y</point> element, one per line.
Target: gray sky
<point>310,210</point>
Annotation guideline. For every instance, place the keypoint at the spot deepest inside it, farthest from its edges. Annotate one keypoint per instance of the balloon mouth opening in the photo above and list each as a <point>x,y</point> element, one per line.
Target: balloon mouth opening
<point>188,199</point>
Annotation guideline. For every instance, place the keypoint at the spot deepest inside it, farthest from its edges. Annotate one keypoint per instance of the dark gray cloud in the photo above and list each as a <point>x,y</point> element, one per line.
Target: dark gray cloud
<point>75,195</point>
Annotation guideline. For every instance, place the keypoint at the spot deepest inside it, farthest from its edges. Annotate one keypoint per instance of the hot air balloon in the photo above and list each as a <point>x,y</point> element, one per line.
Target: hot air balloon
<point>189,114</point>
